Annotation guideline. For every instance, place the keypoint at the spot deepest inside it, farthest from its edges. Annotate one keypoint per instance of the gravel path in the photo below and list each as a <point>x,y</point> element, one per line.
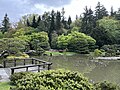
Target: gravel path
<point>4,74</point>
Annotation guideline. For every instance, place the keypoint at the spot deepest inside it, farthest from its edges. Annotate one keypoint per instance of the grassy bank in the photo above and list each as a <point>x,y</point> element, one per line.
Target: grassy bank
<point>5,85</point>
<point>57,53</point>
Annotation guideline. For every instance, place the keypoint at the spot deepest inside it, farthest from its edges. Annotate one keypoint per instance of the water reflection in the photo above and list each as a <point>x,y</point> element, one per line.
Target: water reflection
<point>96,70</point>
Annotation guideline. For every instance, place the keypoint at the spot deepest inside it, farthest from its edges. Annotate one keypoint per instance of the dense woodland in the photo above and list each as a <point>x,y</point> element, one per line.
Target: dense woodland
<point>91,30</point>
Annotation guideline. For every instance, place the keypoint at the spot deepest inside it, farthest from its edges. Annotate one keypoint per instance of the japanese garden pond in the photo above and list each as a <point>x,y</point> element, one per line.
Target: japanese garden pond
<point>95,70</point>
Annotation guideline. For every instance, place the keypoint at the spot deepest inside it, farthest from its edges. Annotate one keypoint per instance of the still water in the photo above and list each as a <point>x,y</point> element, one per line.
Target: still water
<point>95,70</point>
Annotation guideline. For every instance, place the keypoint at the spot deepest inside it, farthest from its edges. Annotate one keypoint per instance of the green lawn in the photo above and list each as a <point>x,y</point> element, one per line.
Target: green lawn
<point>56,53</point>
<point>5,85</point>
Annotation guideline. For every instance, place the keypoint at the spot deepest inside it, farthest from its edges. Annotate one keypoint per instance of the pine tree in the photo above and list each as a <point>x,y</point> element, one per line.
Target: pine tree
<point>58,23</point>
<point>112,13</point>
<point>100,11</point>
<point>88,21</point>
<point>38,20</point>
<point>52,27</point>
<point>34,24</point>
<point>28,23</point>
<point>69,22</point>
<point>5,24</point>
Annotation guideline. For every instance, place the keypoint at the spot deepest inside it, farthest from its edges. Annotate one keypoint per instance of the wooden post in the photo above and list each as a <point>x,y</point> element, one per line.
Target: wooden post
<point>38,68</point>
<point>12,71</point>
<point>49,66</point>
<point>24,61</point>
<point>4,63</point>
<point>27,69</point>
<point>14,62</point>
<point>32,61</point>
<point>44,65</point>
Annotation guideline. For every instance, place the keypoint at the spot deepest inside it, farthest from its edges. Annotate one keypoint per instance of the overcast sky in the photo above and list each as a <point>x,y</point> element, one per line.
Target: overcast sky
<point>17,8</point>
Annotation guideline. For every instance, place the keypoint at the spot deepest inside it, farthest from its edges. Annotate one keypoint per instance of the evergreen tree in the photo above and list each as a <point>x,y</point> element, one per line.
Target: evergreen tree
<point>38,21</point>
<point>112,13</point>
<point>5,24</point>
<point>34,24</point>
<point>100,11</point>
<point>58,23</point>
<point>88,22</point>
<point>28,23</point>
<point>52,27</point>
<point>69,22</point>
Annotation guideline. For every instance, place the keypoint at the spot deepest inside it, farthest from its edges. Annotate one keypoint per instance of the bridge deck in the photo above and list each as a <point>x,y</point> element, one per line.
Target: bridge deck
<point>6,72</point>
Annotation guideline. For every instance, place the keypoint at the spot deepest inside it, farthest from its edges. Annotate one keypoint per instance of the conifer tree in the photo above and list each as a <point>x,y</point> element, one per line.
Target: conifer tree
<point>28,23</point>
<point>100,11</point>
<point>88,21</point>
<point>52,27</point>
<point>58,23</point>
<point>69,22</point>
<point>34,24</point>
<point>38,20</point>
<point>5,24</point>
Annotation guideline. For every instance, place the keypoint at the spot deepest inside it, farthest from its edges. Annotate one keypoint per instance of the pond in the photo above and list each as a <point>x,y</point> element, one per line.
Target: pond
<point>95,70</point>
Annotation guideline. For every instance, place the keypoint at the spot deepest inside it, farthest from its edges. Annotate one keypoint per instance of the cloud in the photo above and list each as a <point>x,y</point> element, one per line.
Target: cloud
<point>52,3</point>
<point>18,8</point>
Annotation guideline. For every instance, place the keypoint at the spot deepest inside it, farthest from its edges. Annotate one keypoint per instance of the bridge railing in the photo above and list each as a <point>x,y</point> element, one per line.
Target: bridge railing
<point>18,62</point>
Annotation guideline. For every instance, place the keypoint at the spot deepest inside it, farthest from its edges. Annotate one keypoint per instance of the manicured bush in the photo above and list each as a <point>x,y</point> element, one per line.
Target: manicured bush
<point>17,76</point>
<point>76,42</point>
<point>51,80</point>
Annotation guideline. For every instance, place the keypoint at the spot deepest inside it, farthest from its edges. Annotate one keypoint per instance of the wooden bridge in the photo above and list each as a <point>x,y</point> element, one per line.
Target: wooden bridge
<point>26,64</point>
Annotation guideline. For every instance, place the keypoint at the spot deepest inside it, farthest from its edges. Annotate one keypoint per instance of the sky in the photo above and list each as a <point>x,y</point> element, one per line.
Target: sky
<point>17,8</point>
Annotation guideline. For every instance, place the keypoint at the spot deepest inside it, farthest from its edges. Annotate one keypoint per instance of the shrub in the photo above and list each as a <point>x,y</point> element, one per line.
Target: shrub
<point>52,80</point>
<point>97,52</point>
<point>16,76</point>
<point>106,86</point>
<point>77,42</point>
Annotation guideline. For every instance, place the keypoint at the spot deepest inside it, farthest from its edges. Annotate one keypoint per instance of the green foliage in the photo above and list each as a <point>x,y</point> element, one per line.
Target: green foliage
<point>24,31</point>
<point>54,40</point>
<point>106,86</point>
<point>12,45</point>
<point>97,52</point>
<point>16,76</point>
<point>75,41</point>
<point>111,27</point>
<point>20,56</point>
<point>100,11</point>
<point>111,50</point>
<point>39,40</point>
<point>5,24</point>
<point>52,80</point>
<point>88,21</point>
<point>1,35</point>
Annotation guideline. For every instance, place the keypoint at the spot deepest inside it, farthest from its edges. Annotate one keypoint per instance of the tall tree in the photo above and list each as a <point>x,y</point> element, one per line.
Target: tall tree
<point>34,24</point>
<point>100,11</point>
<point>38,20</point>
<point>112,13</point>
<point>52,27</point>
<point>5,24</point>
<point>69,22</point>
<point>58,23</point>
<point>88,21</point>
<point>28,23</point>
